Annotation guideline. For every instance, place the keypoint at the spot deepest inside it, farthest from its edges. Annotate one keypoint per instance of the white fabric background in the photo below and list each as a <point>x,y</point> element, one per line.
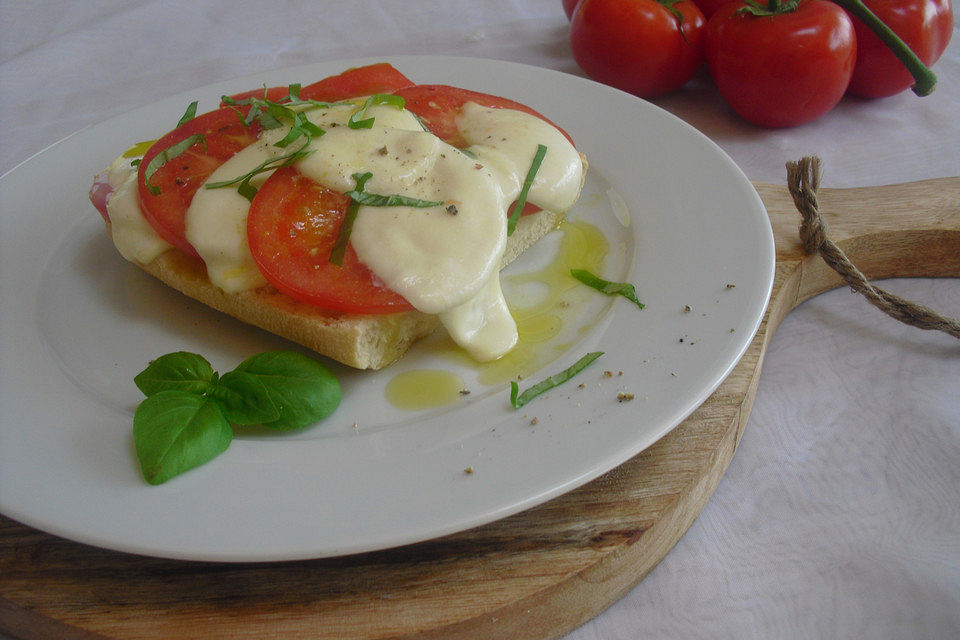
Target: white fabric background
<point>839,517</point>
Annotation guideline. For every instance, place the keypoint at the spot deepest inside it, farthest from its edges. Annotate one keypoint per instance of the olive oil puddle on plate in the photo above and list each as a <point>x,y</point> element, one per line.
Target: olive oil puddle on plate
<point>544,303</point>
<point>424,389</point>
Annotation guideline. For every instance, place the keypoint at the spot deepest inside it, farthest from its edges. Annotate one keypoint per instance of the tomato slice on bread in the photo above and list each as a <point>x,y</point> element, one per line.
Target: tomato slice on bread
<point>292,226</point>
<point>166,194</point>
<point>437,106</point>
<point>358,81</point>
<point>293,222</point>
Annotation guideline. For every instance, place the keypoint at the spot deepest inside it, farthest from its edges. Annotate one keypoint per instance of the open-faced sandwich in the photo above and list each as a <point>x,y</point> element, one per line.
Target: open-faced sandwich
<point>351,215</point>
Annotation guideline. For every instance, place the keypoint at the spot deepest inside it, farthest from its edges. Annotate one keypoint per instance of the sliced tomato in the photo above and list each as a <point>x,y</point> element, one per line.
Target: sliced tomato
<point>352,83</point>
<point>359,81</point>
<point>292,226</point>
<point>179,178</point>
<point>438,106</point>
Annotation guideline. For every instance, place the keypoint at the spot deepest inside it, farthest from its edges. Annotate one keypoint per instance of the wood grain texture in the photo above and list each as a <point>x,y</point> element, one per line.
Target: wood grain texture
<point>535,575</point>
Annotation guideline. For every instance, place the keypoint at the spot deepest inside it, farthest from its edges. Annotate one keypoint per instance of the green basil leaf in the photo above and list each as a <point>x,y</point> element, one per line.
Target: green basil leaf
<point>392,200</point>
<point>189,114</point>
<point>346,225</point>
<point>356,121</point>
<point>244,187</point>
<point>624,289</point>
<point>178,371</point>
<point>175,431</point>
<point>555,380</point>
<point>244,399</point>
<point>166,156</point>
<point>303,390</point>
<point>527,182</point>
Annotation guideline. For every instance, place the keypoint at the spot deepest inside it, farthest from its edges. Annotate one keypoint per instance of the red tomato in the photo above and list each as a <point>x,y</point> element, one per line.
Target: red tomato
<point>179,178</point>
<point>639,46</point>
<point>924,25</point>
<point>359,81</point>
<point>709,7</point>
<point>437,106</point>
<point>292,226</point>
<point>781,70</point>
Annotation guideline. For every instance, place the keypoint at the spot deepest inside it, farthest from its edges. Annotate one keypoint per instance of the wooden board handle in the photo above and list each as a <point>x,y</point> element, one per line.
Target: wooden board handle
<point>900,230</point>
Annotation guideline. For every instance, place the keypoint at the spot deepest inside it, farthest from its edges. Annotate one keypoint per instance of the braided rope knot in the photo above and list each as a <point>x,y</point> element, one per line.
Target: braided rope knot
<point>803,182</point>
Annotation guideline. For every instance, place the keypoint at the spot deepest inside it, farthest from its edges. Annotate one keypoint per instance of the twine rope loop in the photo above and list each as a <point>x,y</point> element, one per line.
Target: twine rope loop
<point>803,182</point>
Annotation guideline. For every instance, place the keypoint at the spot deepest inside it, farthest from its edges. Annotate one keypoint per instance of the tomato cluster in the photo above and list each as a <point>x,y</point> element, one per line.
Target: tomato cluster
<point>778,63</point>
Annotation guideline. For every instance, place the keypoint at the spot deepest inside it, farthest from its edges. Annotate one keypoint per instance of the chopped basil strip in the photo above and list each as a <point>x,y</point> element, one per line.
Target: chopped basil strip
<point>393,200</point>
<point>244,187</point>
<point>360,197</point>
<point>522,198</point>
<point>553,381</point>
<point>167,155</point>
<point>346,226</point>
<point>624,289</point>
<point>355,121</point>
<point>189,114</point>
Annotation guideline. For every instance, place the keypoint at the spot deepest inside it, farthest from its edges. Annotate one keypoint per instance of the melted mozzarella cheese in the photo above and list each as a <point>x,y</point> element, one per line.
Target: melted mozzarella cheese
<point>443,259</point>
<point>434,258</point>
<point>507,140</point>
<point>133,236</point>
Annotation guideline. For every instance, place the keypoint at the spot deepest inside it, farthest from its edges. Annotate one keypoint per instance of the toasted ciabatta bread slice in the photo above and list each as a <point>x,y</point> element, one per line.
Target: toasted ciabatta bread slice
<point>360,341</point>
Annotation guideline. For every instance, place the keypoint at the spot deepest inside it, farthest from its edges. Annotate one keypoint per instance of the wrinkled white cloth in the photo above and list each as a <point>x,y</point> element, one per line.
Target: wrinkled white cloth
<point>839,516</point>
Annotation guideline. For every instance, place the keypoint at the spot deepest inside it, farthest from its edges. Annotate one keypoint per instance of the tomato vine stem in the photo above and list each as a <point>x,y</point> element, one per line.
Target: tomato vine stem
<point>925,81</point>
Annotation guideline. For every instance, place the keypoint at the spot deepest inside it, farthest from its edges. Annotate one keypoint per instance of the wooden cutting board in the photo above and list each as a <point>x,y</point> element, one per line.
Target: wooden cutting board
<point>535,575</point>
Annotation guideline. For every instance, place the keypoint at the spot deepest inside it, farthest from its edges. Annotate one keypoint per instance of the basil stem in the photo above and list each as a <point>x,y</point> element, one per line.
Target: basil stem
<point>553,381</point>
<point>528,181</point>
<point>624,289</point>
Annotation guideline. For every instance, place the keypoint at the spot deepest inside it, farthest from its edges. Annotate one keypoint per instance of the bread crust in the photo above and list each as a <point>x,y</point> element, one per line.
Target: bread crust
<point>358,340</point>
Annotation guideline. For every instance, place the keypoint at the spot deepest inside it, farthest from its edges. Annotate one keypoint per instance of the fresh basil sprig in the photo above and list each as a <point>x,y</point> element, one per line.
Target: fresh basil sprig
<point>358,197</point>
<point>186,419</point>
<point>624,289</point>
<point>519,399</point>
<point>527,182</point>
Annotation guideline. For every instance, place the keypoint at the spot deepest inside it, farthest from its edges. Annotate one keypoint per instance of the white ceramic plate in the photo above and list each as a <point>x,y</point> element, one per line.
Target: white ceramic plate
<point>78,323</point>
